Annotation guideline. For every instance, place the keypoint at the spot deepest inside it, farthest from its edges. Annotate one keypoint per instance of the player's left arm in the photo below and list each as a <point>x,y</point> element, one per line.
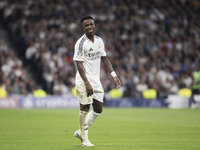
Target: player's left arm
<point>108,65</point>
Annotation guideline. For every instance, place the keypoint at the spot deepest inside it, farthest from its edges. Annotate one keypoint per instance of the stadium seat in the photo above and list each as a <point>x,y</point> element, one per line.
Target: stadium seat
<point>3,93</point>
<point>185,92</point>
<point>74,91</point>
<point>149,94</point>
<point>115,93</point>
<point>39,93</point>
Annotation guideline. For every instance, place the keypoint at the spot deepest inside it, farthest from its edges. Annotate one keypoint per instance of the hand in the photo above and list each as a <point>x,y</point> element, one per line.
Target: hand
<point>89,89</point>
<point>117,81</point>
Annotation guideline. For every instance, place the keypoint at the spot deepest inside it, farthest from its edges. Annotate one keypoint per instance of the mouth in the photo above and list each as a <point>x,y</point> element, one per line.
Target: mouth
<point>91,30</point>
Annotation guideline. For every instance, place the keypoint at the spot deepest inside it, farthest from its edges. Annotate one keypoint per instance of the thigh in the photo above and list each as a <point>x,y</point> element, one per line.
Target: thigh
<point>97,106</point>
<point>82,95</point>
<point>84,107</point>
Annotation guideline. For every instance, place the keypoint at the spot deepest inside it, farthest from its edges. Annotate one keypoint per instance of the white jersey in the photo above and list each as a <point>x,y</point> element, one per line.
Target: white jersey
<point>90,53</point>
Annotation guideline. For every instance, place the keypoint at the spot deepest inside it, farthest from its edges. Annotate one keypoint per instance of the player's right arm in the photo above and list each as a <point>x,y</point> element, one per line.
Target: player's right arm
<point>79,58</point>
<point>80,68</point>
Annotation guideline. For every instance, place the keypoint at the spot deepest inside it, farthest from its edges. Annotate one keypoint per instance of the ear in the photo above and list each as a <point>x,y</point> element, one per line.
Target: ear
<point>82,26</point>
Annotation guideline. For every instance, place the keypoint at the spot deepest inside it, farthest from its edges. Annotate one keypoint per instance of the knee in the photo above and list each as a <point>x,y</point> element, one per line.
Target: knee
<point>85,108</point>
<point>98,110</point>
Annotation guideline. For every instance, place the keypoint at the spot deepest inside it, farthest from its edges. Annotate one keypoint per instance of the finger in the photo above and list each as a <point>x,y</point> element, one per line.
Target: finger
<point>89,94</point>
<point>118,84</point>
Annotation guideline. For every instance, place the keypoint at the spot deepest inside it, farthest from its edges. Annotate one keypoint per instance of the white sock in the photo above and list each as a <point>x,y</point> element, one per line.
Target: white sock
<point>83,125</point>
<point>91,117</point>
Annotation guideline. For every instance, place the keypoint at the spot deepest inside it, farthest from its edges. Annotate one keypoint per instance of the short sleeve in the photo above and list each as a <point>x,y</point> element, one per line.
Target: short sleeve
<point>103,49</point>
<point>78,52</point>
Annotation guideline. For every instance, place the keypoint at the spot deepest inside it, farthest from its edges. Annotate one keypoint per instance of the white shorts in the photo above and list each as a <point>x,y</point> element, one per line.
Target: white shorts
<point>98,94</point>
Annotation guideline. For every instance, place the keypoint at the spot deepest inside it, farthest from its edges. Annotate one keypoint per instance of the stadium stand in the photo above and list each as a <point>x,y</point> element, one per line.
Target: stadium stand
<point>14,77</point>
<point>151,43</point>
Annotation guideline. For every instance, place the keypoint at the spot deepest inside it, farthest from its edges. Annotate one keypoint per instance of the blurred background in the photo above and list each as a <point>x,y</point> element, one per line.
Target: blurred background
<point>152,44</point>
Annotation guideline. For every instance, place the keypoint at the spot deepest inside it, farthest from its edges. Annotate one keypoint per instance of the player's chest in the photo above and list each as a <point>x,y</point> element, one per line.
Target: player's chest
<point>92,50</point>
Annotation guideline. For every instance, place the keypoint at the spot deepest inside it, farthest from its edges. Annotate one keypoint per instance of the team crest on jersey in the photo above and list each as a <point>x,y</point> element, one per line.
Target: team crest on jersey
<point>99,46</point>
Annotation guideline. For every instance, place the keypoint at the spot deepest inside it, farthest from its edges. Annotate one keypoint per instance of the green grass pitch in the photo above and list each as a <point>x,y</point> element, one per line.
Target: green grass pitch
<point>115,129</point>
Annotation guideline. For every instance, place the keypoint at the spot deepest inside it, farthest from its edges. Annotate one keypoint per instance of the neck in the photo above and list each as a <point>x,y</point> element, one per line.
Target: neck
<point>91,37</point>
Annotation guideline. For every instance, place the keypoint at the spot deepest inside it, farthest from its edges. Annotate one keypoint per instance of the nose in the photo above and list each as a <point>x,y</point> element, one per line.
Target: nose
<point>89,26</point>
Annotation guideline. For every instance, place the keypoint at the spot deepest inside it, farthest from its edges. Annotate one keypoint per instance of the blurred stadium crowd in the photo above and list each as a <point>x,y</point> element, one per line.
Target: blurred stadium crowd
<point>151,43</point>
